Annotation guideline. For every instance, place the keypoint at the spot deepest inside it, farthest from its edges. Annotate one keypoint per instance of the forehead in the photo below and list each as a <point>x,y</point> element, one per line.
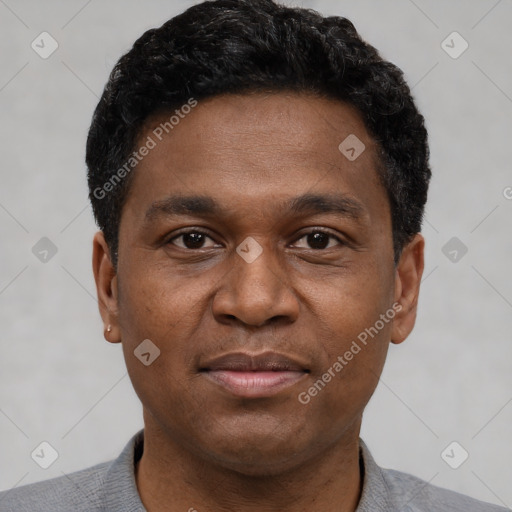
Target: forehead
<point>257,146</point>
<point>264,120</point>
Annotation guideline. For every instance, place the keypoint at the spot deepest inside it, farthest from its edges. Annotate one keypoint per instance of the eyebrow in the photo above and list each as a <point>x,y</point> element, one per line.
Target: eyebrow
<point>328,203</point>
<point>183,205</point>
<point>302,205</point>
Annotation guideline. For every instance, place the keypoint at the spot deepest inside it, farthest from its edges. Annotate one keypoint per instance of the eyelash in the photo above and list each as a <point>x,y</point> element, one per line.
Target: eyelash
<point>188,232</point>
<point>201,232</point>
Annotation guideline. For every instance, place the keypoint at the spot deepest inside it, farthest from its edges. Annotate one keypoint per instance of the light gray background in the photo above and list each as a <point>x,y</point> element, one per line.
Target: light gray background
<point>450,381</point>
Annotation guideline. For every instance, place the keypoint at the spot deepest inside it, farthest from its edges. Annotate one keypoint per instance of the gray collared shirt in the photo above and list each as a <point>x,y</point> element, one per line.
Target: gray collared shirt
<point>111,487</point>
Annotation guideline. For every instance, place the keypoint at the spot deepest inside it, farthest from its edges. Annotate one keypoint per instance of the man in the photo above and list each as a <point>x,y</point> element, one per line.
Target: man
<point>259,176</point>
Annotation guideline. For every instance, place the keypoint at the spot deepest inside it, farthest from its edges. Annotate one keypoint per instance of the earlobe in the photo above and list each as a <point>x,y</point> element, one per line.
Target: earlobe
<point>105,277</point>
<point>407,287</point>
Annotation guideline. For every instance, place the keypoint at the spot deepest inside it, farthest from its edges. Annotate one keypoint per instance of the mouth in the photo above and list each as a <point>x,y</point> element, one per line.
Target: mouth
<point>254,376</point>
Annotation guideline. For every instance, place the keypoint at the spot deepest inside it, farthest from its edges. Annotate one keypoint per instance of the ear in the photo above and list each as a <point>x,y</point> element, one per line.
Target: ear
<point>106,287</point>
<point>407,288</point>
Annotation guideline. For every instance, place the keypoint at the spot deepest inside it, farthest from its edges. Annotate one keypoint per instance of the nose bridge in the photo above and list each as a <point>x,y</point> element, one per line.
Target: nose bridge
<point>255,290</point>
<point>256,269</point>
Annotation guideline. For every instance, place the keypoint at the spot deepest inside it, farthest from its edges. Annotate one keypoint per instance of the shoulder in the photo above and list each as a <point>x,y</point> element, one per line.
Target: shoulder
<point>108,486</point>
<point>80,491</point>
<point>417,495</point>
<point>387,490</point>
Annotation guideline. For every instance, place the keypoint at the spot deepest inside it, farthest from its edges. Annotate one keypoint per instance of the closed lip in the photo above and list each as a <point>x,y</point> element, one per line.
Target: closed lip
<point>263,375</point>
<point>268,361</point>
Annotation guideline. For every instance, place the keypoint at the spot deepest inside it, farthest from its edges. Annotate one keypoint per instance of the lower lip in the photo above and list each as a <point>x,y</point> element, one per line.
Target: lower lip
<point>255,384</point>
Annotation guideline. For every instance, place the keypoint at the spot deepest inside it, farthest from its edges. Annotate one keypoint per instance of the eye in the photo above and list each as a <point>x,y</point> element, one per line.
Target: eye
<point>318,240</point>
<point>193,239</point>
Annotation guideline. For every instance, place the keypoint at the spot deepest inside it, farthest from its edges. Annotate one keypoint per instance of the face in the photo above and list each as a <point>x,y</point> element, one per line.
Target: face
<point>247,230</point>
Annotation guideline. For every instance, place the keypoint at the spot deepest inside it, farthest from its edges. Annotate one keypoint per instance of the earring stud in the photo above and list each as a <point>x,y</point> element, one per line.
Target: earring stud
<point>109,328</point>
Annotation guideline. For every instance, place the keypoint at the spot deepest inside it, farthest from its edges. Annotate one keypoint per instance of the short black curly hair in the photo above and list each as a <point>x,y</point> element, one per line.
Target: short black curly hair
<point>242,46</point>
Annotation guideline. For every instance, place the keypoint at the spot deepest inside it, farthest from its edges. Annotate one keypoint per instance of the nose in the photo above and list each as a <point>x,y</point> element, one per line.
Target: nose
<point>256,293</point>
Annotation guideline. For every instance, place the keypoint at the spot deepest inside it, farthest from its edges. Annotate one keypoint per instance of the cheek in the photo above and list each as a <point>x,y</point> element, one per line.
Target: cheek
<point>153,306</point>
<point>347,304</point>
<point>157,303</point>
<point>355,333</point>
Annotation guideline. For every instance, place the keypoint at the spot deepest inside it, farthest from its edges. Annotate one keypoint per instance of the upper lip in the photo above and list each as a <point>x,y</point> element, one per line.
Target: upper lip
<point>242,361</point>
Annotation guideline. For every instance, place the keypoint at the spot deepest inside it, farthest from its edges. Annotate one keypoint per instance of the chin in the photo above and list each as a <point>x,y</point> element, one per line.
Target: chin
<point>259,455</point>
<point>259,465</point>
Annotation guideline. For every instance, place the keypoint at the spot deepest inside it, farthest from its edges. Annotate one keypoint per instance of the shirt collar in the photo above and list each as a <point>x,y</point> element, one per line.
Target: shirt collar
<point>375,495</point>
<point>120,488</point>
<point>121,493</point>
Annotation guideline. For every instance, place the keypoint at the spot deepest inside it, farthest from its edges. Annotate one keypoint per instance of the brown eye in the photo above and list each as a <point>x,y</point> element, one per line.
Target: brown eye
<point>192,240</point>
<point>319,240</point>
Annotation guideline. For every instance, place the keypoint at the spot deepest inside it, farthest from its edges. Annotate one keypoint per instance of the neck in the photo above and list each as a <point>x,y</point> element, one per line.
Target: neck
<point>169,476</point>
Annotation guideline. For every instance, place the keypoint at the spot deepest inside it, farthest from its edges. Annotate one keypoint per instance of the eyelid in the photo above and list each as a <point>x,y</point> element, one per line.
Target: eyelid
<point>325,231</point>
<point>202,231</point>
<point>186,231</point>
